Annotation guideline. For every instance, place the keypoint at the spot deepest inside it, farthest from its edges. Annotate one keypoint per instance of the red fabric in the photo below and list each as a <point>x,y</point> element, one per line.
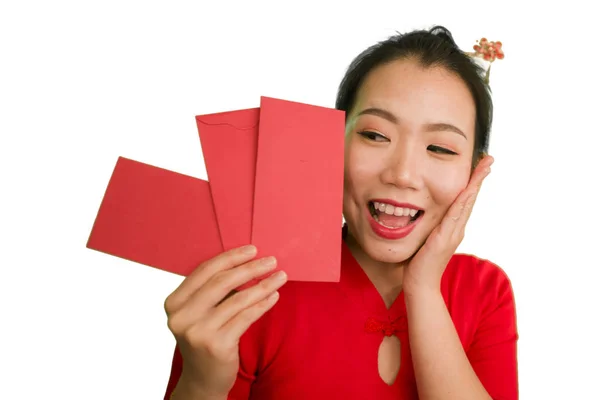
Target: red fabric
<point>322,339</point>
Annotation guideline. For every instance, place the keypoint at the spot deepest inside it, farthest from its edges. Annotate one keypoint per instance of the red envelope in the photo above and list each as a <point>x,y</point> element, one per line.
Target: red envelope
<point>156,217</point>
<point>229,141</point>
<point>298,194</point>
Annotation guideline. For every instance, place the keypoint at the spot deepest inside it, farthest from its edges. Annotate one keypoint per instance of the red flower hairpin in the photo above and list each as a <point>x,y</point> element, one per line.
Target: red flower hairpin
<point>489,51</point>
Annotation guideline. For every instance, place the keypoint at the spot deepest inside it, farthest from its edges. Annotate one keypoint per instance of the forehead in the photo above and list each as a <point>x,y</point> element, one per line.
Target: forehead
<point>418,95</point>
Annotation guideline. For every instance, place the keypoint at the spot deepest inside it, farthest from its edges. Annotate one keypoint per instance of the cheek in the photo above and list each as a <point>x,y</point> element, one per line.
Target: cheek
<point>447,183</point>
<point>360,168</point>
<point>359,175</point>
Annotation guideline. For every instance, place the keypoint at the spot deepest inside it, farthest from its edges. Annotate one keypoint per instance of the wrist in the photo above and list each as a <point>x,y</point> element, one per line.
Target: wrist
<point>417,286</point>
<point>421,294</point>
<point>189,389</point>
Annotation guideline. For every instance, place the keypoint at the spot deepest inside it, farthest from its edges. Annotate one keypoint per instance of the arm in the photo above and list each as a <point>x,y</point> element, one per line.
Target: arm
<point>208,321</point>
<point>493,350</point>
<point>442,369</point>
<point>185,390</point>
<point>181,388</point>
<point>488,369</point>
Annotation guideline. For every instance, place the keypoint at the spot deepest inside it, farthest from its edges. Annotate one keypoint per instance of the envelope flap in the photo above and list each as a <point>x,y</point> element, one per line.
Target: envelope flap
<point>243,119</point>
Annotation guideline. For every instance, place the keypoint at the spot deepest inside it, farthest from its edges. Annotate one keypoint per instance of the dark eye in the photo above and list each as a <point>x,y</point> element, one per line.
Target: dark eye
<point>440,150</point>
<point>376,137</point>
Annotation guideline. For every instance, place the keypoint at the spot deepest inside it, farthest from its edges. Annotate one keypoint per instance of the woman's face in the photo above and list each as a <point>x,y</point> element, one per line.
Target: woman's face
<point>409,147</point>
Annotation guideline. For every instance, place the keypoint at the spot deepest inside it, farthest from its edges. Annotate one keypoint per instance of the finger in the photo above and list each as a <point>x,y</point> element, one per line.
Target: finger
<point>233,330</point>
<point>459,212</point>
<point>466,196</point>
<point>219,285</point>
<point>448,234</point>
<point>204,272</point>
<point>482,171</point>
<point>247,298</point>
<point>215,289</point>
<point>229,336</point>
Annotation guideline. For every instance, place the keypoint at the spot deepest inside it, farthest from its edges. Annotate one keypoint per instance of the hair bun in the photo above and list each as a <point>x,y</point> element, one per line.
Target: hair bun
<point>443,33</point>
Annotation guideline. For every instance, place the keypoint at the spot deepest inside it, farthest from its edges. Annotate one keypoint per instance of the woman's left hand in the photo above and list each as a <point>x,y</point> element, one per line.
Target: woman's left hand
<point>424,271</point>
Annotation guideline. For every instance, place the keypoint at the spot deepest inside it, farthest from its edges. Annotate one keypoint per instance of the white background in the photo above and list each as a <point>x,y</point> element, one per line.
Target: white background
<point>83,82</point>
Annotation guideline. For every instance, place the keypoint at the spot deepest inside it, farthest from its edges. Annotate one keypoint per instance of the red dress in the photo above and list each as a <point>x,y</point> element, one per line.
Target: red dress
<point>321,340</point>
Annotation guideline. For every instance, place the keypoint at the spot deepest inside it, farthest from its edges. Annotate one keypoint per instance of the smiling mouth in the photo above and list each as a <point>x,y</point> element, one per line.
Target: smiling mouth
<point>393,217</point>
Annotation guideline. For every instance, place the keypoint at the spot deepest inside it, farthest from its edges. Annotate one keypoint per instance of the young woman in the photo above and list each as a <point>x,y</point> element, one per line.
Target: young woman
<point>410,318</point>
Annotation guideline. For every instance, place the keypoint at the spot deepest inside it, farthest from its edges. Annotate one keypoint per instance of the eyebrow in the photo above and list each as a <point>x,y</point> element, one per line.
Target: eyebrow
<point>434,127</point>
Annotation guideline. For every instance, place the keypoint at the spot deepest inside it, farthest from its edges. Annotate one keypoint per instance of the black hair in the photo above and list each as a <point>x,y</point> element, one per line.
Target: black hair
<point>431,48</point>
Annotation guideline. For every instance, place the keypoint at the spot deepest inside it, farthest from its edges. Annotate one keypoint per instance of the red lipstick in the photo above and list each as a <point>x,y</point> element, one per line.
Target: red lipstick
<point>393,233</point>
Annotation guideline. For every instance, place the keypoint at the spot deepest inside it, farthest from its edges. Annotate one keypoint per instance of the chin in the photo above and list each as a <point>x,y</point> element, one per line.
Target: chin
<point>390,252</point>
<point>383,250</point>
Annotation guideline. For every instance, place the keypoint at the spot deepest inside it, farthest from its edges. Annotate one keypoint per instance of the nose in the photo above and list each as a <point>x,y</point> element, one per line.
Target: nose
<point>403,168</point>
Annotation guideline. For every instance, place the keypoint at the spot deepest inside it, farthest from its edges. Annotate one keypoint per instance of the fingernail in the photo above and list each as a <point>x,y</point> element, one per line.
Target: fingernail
<point>250,249</point>
<point>279,276</point>
<point>268,262</point>
<point>273,296</point>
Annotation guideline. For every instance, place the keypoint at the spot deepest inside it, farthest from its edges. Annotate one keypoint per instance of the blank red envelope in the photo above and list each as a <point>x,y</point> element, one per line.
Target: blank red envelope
<point>299,188</point>
<point>229,144</point>
<point>156,217</point>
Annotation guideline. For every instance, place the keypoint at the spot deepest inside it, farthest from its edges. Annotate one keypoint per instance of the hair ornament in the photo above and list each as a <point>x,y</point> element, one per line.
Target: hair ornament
<point>488,51</point>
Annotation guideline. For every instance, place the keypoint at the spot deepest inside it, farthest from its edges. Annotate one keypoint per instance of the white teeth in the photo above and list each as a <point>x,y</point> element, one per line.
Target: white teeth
<point>397,211</point>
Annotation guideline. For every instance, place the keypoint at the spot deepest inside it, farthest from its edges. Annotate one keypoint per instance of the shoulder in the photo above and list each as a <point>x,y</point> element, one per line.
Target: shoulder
<point>467,270</point>
<point>479,296</point>
<point>477,283</point>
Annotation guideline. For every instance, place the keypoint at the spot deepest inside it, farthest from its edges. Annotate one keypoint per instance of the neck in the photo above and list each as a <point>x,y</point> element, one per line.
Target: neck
<point>386,277</point>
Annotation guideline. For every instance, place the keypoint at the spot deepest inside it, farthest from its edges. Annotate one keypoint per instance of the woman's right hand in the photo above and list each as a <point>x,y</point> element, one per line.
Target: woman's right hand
<point>207,321</point>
